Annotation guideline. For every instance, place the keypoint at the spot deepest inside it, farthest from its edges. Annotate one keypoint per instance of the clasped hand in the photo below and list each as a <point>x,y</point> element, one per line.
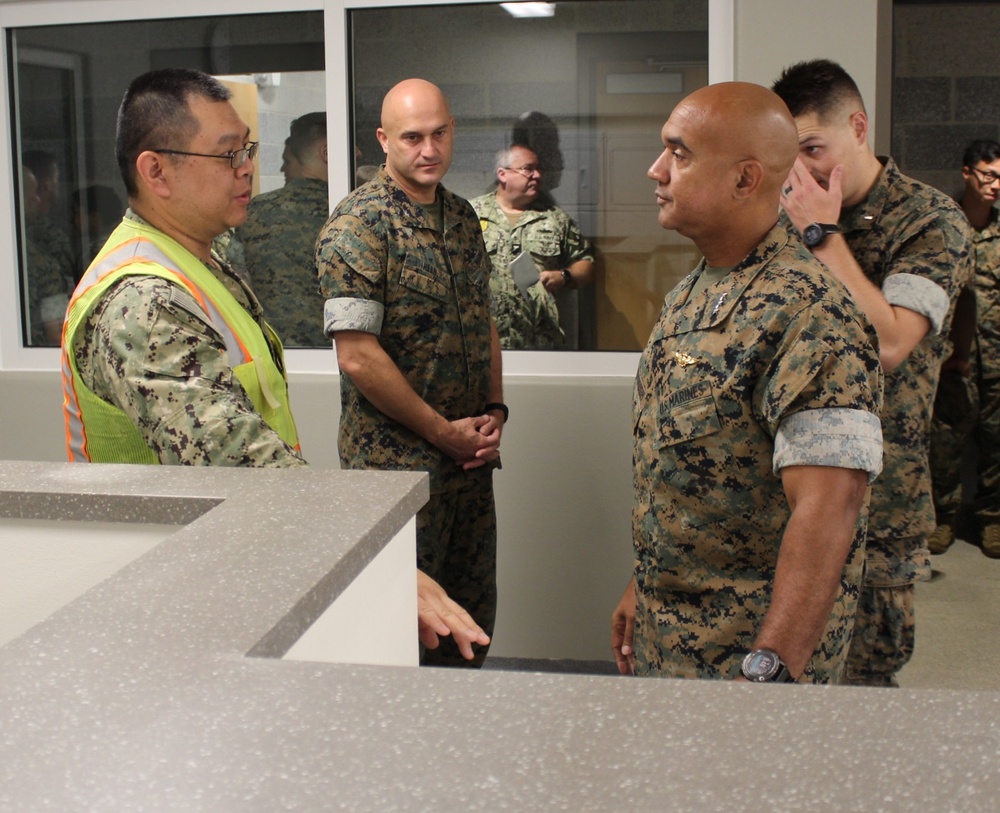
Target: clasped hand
<point>473,442</point>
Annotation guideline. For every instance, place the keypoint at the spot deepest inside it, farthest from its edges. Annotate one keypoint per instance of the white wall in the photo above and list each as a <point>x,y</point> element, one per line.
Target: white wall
<point>565,489</point>
<point>771,34</point>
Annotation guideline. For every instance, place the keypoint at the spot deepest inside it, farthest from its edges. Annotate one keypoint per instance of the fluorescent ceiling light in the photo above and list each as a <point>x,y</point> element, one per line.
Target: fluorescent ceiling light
<point>529,9</point>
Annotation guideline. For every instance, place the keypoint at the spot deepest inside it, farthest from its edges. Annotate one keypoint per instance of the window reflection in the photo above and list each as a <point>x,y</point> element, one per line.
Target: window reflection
<point>588,91</point>
<point>67,84</point>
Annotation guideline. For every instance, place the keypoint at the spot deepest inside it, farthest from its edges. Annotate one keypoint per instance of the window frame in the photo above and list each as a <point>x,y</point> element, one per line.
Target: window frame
<point>14,356</point>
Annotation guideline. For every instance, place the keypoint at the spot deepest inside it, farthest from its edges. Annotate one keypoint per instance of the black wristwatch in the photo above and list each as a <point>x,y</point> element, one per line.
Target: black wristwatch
<point>502,407</point>
<point>567,277</point>
<point>815,233</point>
<point>764,666</point>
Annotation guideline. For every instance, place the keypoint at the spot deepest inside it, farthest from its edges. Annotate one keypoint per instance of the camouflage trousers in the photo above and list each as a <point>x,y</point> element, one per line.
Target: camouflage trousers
<point>956,408</point>
<point>457,547</point>
<point>986,504</point>
<point>883,637</point>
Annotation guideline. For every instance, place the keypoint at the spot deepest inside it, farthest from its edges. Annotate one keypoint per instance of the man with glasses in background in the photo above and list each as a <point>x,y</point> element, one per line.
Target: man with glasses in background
<point>968,398</point>
<point>536,249</point>
<point>166,356</point>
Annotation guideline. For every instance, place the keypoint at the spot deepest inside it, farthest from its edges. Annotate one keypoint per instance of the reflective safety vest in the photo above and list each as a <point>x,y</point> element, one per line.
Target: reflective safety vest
<point>99,432</point>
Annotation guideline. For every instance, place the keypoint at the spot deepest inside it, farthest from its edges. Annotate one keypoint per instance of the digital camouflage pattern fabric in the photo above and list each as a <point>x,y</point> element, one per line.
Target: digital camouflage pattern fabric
<point>771,366</point>
<point>384,269</point>
<point>156,386</point>
<point>554,242</point>
<point>913,242</point>
<point>987,372</point>
<point>457,542</point>
<point>50,271</point>
<point>277,247</point>
<point>956,409</point>
<point>884,625</point>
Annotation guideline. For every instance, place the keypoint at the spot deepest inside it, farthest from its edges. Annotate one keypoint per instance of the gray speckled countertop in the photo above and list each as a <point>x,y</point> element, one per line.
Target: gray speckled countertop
<point>140,695</point>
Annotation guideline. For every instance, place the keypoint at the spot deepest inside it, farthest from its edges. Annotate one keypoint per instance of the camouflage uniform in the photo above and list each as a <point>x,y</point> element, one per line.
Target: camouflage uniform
<point>142,351</point>
<point>386,271</point>
<point>956,407</point>
<point>222,245</point>
<point>555,243</point>
<point>50,270</point>
<point>913,243</point>
<point>772,366</point>
<point>967,408</point>
<point>987,434</point>
<point>277,247</point>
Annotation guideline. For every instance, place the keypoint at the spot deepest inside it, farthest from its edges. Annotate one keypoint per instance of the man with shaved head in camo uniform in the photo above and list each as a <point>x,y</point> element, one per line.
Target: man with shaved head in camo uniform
<point>406,278</point>
<point>756,421</point>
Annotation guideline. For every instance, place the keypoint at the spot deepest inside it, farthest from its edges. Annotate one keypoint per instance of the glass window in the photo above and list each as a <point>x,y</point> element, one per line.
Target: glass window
<point>587,90</point>
<point>66,84</point>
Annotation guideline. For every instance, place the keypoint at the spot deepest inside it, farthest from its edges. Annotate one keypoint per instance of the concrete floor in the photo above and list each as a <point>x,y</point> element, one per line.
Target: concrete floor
<point>958,615</point>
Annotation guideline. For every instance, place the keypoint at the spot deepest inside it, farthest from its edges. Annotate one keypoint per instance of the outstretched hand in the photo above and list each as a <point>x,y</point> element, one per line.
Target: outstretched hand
<point>438,616</point>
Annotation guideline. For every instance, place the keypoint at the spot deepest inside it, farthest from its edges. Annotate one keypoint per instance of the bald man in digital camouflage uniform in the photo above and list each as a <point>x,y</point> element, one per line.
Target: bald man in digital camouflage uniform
<point>756,422</point>
<point>406,279</point>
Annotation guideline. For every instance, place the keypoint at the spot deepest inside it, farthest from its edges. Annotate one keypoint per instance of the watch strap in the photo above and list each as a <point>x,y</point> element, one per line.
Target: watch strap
<point>778,673</point>
<point>815,234</point>
<point>498,406</point>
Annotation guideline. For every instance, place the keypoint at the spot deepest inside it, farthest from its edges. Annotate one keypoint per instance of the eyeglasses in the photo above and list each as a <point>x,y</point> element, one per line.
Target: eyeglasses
<point>236,158</point>
<point>527,170</point>
<point>986,178</point>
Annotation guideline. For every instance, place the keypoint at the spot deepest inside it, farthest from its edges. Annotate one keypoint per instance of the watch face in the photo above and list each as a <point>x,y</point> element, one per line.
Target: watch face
<point>761,664</point>
<point>813,235</point>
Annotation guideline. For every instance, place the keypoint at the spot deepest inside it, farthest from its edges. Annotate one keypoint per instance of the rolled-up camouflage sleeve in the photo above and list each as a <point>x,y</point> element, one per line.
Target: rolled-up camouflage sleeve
<point>823,394</point>
<point>351,263</point>
<point>843,438</point>
<point>146,351</point>
<point>924,274</point>
<point>920,295</point>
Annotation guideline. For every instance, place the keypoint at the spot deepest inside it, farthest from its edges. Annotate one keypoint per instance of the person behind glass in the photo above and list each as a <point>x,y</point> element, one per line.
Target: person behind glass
<point>406,279</point>
<point>902,248</point>
<point>967,404</point>
<point>756,421</point>
<point>290,166</point>
<point>540,134</point>
<point>277,242</point>
<point>516,223</point>
<point>48,254</point>
<point>166,356</point>
<point>95,211</point>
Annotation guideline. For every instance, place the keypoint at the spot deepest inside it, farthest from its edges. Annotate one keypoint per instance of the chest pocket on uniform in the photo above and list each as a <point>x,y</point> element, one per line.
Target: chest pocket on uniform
<point>687,414</point>
<point>696,458</point>
<point>420,274</point>
<point>544,244</point>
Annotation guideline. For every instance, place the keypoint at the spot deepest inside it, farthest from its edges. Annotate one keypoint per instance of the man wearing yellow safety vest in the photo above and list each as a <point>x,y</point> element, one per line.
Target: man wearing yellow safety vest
<point>166,357</point>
